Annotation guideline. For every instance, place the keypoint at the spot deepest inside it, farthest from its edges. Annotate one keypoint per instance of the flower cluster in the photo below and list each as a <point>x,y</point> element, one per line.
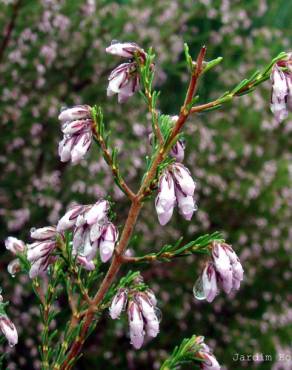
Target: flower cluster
<point>92,230</point>
<point>176,186</point>
<point>124,80</point>
<point>225,270</point>
<point>6,325</point>
<point>39,253</point>
<point>77,129</point>
<point>15,246</point>
<point>142,314</point>
<point>281,99</point>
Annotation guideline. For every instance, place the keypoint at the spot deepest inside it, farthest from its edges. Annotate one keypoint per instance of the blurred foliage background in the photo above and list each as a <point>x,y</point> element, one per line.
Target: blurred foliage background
<point>52,54</point>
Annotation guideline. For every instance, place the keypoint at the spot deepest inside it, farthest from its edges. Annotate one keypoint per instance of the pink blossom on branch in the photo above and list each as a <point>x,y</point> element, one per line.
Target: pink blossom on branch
<point>8,329</point>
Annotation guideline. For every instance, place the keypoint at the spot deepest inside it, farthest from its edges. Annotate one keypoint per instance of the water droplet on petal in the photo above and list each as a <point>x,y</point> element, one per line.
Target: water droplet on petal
<point>158,313</point>
<point>115,42</point>
<point>198,289</point>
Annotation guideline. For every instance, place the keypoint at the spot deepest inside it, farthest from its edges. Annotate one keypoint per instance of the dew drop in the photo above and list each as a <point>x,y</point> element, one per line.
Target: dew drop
<point>158,314</point>
<point>198,289</point>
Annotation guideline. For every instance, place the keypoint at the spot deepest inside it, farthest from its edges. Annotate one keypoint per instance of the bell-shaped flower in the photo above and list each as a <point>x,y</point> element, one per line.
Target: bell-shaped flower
<point>14,245</point>
<point>75,113</point>
<point>209,362</point>
<point>124,80</point>
<point>70,218</point>
<point>97,213</point>
<point>75,127</point>
<point>136,324</point>
<point>148,312</point>
<point>40,256</point>
<point>107,241</point>
<point>14,267</point>
<point>209,281</point>
<point>178,150</point>
<point>43,233</point>
<point>125,50</point>
<point>186,204</point>
<point>223,266</point>
<point>118,304</point>
<point>165,200</point>
<point>86,263</point>
<point>8,329</point>
<point>183,179</point>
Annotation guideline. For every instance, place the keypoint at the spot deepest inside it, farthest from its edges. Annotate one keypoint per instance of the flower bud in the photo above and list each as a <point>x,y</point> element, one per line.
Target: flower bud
<point>69,219</point>
<point>14,245</point>
<point>14,267</point>
<point>148,312</point>
<point>75,113</point>
<point>183,179</point>
<point>107,241</point>
<point>9,330</point>
<point>178,151</point>
<point>118,303</point>
<point>81,146</point>
<point>97,213</point>
<point>165,199</point>
<point>75,127</point>
<point>136,325</point>
<point>43,233</point>
<point>125,49</point>
<point>223,266</point>
<point>39,255</point>
<point>186,204</point>
<point>209,281</point>
<point>87,264</point>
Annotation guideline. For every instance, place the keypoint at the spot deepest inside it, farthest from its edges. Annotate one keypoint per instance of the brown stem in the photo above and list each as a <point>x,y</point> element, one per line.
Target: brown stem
<point>9,28</point>
<point>136,205</point>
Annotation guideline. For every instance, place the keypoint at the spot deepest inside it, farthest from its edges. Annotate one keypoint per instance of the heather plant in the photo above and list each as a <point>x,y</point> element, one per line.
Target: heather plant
<point>71,254</point>
<point>55,57</point>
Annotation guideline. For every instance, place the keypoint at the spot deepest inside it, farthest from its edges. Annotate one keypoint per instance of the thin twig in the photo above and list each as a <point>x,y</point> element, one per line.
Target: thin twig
<point>114,169</point>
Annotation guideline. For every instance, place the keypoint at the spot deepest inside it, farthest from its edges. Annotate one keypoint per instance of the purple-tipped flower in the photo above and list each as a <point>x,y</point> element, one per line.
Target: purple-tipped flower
<point>77,128</point>
<point>40,256</point>
<point>183,179</point>
<point>125,50</point>
<point>124,81</point>
<point>136,324</point>
<point>225,271</point>
<point>165,200</point>
<point>209,282</point>
<point>14,267</point>
<point>43,233</point>
<point>118,304</point>
<point>178,150</point>
<point>14,245</point>
<point>209,360</point>
<point>69,219</point>
<point>107,241</point>
<point>8,329</point>
<point>148,312</point>
<point>78,112</point>
<point>186,204</point>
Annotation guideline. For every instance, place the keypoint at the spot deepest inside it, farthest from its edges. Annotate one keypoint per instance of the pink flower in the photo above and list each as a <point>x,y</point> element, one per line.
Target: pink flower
<point>39,254</point>
<point>75,113</point>
<point>107,241</point>
<point>125,50</point>
<point>209,281</point>
<point>223,266</point>
<point>279,94</point>
<point>124,81</point>
<point>76,126</point>
<point>165,200</point>
<point>69,219</point>
<point>183,179</point>
<point>136,325</point>
<point>148,312</point>
<point>14,245</point>
<point>8,329</point>
<point>186,204</point>
<point>118,303</point>
<point>43,233</point>
<point>178,150</point>
<point>14,267</point>
<point>97,213</point>
<point>210,362</point>
<point>87,264</point>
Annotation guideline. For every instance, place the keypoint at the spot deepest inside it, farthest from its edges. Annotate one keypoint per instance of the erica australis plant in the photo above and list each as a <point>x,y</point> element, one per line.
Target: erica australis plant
<point>84,257</point>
